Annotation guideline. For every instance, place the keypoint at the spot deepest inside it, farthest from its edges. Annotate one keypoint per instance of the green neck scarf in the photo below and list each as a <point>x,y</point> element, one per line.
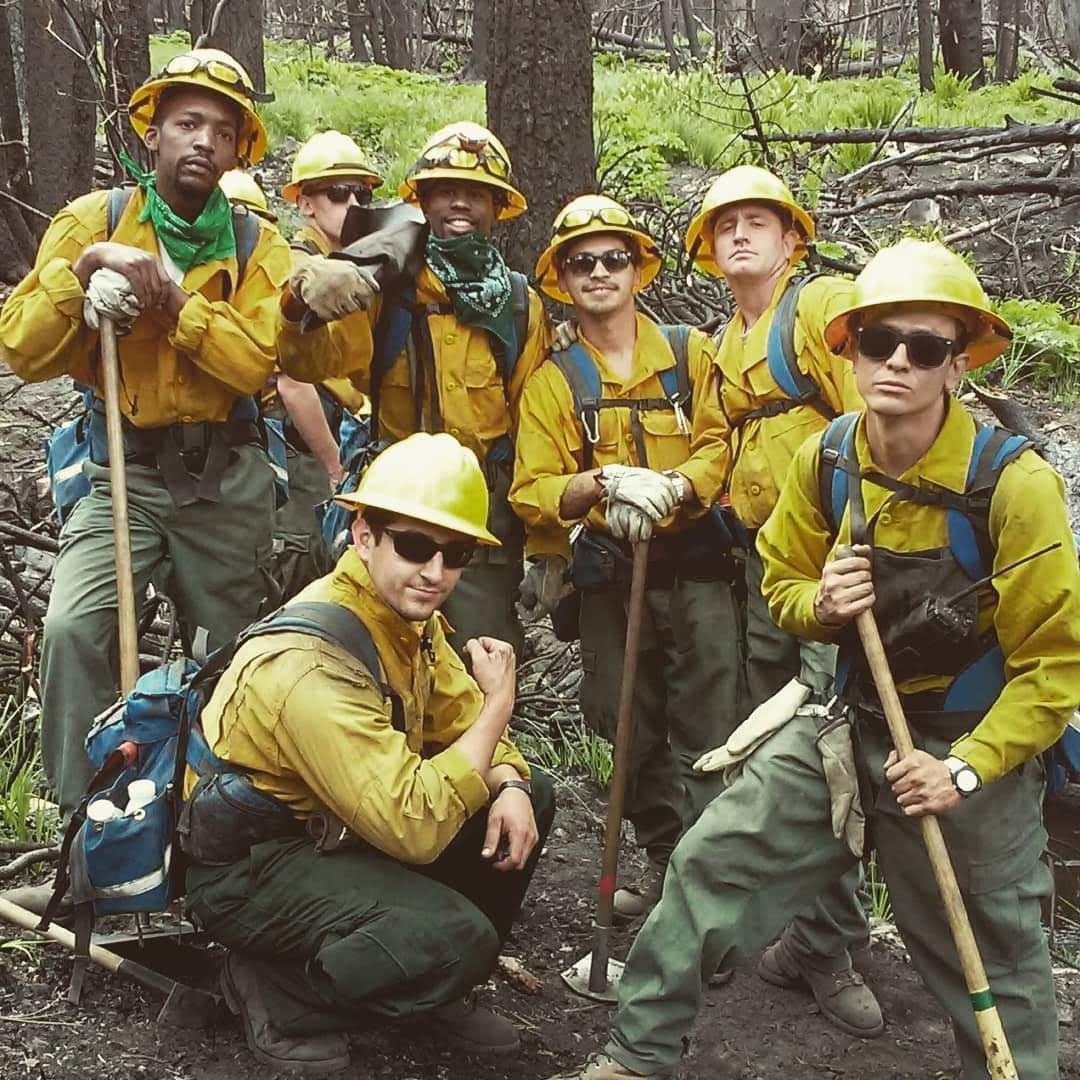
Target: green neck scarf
<point>477,282</point>
<point>189,243</point>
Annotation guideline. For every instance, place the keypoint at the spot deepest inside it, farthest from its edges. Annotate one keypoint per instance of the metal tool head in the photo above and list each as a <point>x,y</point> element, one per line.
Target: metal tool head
<point>577,978</point>
<point>186,1007</point>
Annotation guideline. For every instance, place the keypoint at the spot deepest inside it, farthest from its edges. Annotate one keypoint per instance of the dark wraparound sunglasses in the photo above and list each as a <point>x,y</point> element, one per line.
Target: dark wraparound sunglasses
<point>924,349</point>
<point>339,193</point>
<point>419,548</point>
<point>584,262</point>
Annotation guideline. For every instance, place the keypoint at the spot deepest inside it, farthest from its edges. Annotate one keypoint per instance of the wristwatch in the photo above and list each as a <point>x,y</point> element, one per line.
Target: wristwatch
<point>522,785</point>
<point>965,779</point>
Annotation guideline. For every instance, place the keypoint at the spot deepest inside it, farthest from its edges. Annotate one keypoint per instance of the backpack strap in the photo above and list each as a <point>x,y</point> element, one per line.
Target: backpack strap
<point>583,377</point>
<point>676,381</point>
<point>834,462</point>
<point>519,304</point>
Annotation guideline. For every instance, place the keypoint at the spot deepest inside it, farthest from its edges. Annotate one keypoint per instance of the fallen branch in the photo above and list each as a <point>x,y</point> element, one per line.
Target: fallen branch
<point>1011,413</point>
<point>1067,131</point>
<point>29,858</point>
<point>1064,187</point>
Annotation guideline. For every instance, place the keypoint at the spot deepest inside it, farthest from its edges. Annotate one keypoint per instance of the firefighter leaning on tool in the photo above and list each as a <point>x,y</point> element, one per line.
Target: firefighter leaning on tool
<point>474,332</point>
<point>197,344</point>
<point>752,233</point>
<point>444,830</point>
<point>646,459</point>
<point>329,174</point>
<point>982,702</point>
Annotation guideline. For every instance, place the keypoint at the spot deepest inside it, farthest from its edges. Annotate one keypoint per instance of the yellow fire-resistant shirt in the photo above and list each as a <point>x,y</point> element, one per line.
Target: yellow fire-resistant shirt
<point>763,447</point>
<point>474,405</point>
<point>222,346</point>
<point>308,722</point>
<point>1034,610</point>
<point>549,442</point>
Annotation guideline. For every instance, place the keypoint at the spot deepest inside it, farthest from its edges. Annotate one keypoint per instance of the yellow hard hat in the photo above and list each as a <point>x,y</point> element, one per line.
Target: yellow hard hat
<point>465,150</point>
<point>328,155</point>
<point>241,187</point>
<point>744,183</point>
<point>583,216</point>
<point>431,478</point>
<point>210,69</point>
<point>926,272</point>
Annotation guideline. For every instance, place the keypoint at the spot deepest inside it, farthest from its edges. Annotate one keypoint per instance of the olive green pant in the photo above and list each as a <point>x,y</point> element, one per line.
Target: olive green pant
<point>214,551</point>
<point>354,932</point>
<point>743,869</point>
<point>824,932</point>
<point>685,697</point>
<point>300,555</point>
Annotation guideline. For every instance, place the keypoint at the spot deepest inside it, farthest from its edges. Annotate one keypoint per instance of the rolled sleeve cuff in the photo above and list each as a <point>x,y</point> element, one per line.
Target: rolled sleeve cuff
<point>508,754</point>
<point>981,757</point>
<point>62,287</point>
<point>702,479</point>
<point>466,781</point>
<point>192,323</point>
<point>549,493</point>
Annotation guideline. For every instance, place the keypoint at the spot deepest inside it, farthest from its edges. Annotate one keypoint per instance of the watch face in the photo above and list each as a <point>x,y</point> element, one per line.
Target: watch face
<point>967,780</point>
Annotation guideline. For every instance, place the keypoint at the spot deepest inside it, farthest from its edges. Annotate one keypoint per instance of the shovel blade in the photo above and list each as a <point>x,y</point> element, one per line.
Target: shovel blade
<point>577,978</point>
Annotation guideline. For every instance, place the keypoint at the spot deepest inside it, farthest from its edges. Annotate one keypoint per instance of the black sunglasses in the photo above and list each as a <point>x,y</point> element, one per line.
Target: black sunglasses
<point>339,193</point>
<point>419,548</point>
<point>584,262</point>
<point>925,350</point>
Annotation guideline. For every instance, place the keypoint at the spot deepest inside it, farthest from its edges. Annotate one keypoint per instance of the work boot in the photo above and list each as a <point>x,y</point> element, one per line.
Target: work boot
<point>474,1029</point>
<point>35,898</point>
<point>313,1055</point>
<point>603,1067</point>
<point>636,899</point>
<point>842,996</point>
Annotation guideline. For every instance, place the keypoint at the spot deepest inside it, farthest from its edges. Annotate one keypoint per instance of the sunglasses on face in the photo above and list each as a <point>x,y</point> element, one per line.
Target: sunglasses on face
<point>469,156</point>
<point>341,193</point>
<point>584,262</point>
<point>419,548</point>
<point>924,349</point>
<point>609,215</point>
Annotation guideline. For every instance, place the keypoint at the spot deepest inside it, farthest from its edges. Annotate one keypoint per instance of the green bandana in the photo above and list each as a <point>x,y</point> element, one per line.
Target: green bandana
<point>478,283</point>
<point>189,243</point>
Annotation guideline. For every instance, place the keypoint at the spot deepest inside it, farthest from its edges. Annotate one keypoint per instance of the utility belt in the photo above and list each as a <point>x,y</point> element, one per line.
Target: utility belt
<point>192,458</point>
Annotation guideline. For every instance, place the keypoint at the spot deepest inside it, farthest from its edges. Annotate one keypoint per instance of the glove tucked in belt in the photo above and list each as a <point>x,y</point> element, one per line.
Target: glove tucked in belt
<point>838,760</point>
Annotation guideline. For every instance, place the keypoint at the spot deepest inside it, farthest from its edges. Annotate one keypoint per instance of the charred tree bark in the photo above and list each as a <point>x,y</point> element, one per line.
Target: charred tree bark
<point>1007,54</point>
<point>1070,15</point>
<point>358,31</point>
<point>127,64</point>
<point>477,68</point>
<point>539,102</point>
<point>11,117</point>
<point>691,25</point>
<point>925,16</point>
<point>238,29</point>
<point>778,25</point>
<point>961,38</point>
<point>667,27</point>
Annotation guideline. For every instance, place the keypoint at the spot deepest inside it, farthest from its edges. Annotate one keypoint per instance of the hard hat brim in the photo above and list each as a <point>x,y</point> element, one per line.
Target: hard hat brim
<point>515,205</point>
<point>353,500</point>
<point>547,270</point>
<point>291,191</point>
<point>699,232</point>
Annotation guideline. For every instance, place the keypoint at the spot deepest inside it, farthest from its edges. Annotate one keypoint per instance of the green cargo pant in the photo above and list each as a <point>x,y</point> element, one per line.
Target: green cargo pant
<point>743,869</point>
<point>300,555</point>
<point>354,932</point>
<point>825,931</point>
<point>684,697</point>
<point>214,551</point>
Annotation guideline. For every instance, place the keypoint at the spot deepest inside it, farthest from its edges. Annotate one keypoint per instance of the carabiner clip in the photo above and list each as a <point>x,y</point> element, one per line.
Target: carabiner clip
<point>591,433</point>
<point>680,416</point>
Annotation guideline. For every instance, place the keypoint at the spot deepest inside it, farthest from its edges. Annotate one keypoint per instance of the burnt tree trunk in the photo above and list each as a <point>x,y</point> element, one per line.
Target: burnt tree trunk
<point>539,102</point>
<point>925,16</point>
<point>61,101</point>
<point>961,38</point>
<point>358,31</point>
<point>667,27</point>
<point>690,22</point>
<point>773,28</point>
<point>14,154</point>
<point>397,24</point>
<point>477,68</point>
<point>239,31</point>
<point>1070,17</point>
<point>127,64</point>
<point>1007,52</point>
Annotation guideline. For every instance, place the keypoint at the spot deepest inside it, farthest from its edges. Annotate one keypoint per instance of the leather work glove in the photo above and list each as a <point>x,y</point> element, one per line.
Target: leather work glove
<point>646,490</point>
<point>334,288</point>
<point>545,583</point>
<point>564,335</point>
<point>109,295</point>
<point>838,761</point>
<point>626,522</point>
<point>767,719</point>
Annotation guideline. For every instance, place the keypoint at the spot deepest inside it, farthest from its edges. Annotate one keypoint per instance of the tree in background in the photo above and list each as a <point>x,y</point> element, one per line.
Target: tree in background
<point>126,47</point>
<point>961,38</point>
<point>539,102</point>
<point>235,26</point>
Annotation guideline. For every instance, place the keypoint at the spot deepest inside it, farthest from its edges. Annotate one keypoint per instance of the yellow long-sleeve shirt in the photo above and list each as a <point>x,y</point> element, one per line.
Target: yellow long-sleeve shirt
<point>549,442</point>
<point>308,722</point>
<point>222,346</point>
<point>1035,610</point>
<point>763,447</point>
<point>474,405</point>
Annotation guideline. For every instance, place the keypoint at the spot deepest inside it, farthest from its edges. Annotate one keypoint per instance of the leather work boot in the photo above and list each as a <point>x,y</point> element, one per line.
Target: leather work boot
<point>312,1055</point>
<point>602,1067</point>
<point>842,996</point>
<point>636,899</point>
<point>474,1029</point>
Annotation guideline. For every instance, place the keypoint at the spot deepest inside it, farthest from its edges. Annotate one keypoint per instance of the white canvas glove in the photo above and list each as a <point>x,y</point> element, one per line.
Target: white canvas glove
<point>626,522</point>
<point>564,335</point>
<point>109,295</point>
<point>650,492</point>
<point>334,288</point>
<point>838,761</point>
<point>545,583</point>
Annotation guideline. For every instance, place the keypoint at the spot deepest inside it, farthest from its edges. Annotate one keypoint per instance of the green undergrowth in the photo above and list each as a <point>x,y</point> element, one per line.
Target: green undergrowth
<point>22,779</point>
<point>570,748</point>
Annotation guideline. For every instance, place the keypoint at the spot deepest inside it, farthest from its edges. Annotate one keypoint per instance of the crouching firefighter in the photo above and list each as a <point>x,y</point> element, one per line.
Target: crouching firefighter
<point>445,348</point>
<point>427,823</point>
<point>194,289</point>
<point>984,643</point>
<point>621,437</point>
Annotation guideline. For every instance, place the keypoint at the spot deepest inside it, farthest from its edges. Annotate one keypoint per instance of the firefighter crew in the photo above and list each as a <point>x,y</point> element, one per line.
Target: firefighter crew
<point>198,343</point>
<point>444,823</point>
<point>647,463</point>
<point>329,175</point>
<point>982,704</point>
<point>242,189</point>
<point>477,333</point>
<point>751,232</point>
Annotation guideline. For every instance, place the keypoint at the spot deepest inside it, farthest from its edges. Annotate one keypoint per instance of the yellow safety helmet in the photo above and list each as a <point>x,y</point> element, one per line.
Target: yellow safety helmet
<point>210,69</point>
<point>431,478</point>
<point>583,216</point>
<point>925,272</point>
<point>325,156</point>
<point>241,187</point>
<point>465,150</point>
<point>744,183</point>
